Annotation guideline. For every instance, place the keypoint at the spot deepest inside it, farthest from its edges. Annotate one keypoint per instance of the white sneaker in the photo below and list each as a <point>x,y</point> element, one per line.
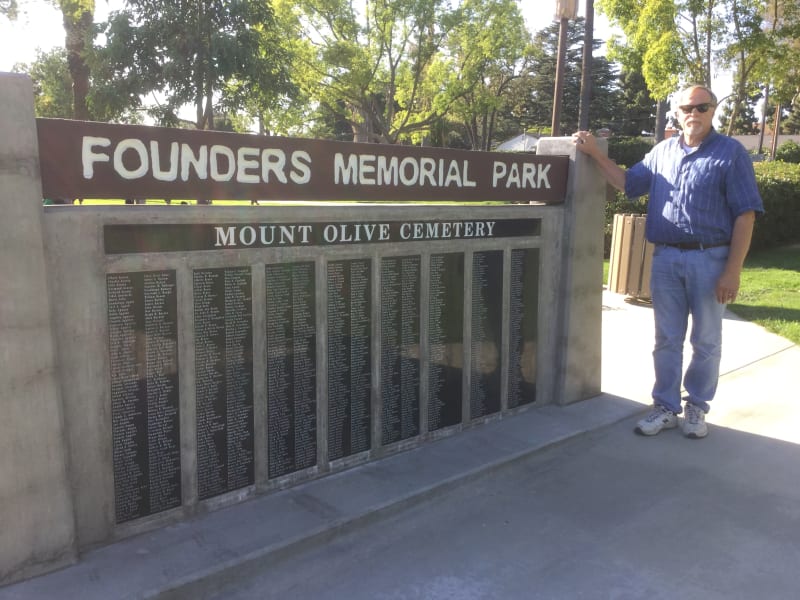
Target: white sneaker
<point>694,422</point>
<point>659,418</point>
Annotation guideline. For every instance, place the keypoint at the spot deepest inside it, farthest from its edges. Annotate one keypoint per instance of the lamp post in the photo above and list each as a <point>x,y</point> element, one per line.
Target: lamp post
<point>586,71</point>
<point>565,10</point>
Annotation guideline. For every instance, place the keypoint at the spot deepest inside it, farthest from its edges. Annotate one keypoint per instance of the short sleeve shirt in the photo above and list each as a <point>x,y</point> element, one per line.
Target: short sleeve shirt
<point>695,196</point>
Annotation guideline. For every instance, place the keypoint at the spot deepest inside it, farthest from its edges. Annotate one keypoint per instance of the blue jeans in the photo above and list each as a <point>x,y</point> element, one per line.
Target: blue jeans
<point>683,283</point>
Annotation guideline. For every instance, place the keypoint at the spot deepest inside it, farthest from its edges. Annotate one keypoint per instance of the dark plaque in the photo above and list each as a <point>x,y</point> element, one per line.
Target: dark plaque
<point>291,367</point>
<point>400,304</point>
<point>487,321</point>
<point>145,424</point>
<point>223,330</point>
<point>523,326</point>
<point>349,378</point>
<point>446,339</point>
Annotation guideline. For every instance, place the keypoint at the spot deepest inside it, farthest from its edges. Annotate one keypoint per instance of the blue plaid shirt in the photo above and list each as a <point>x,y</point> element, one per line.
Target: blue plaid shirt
<point>695,196</point>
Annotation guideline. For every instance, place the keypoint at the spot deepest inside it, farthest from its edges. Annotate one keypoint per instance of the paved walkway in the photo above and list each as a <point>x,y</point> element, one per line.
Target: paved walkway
<point>565,501</point>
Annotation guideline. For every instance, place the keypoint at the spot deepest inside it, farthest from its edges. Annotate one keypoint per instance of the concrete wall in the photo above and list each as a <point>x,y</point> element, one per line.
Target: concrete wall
<point>57,493</point>
<point>36,514</point>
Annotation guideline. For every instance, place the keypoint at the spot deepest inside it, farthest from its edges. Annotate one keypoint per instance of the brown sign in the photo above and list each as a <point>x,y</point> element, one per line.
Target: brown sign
<point>98,160</point>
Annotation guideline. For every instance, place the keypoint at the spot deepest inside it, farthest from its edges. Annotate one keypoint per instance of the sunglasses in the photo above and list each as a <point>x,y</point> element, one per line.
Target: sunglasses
<point>701,108</point>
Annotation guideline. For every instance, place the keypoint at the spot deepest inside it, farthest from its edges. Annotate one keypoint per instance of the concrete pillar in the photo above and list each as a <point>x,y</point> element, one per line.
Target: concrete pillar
<point>578,352</point>
<point>36,515</point>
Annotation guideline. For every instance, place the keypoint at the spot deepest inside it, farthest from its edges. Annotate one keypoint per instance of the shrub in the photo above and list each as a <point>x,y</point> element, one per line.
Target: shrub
<point>779,184</point>
<point>628,150</point>
<point>788,152</point>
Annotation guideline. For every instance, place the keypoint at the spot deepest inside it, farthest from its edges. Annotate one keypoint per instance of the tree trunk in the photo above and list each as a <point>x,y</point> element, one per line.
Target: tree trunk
<point>78,20</point>
<point>661,119</point>
<point>776,131</point>
<point>763,121</point>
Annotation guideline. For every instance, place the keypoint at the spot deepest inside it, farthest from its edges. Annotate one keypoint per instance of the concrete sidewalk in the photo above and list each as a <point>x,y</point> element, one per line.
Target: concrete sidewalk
<point>199,558</point>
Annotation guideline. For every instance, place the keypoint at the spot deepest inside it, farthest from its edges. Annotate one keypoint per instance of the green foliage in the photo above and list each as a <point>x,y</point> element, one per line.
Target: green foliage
<point>627,151</point>
<point>639,107</point>
<point>779,184</point>
<point>224,52</point>
<point>531,96</point>
<point>788,152</point>
<point>52,85</point>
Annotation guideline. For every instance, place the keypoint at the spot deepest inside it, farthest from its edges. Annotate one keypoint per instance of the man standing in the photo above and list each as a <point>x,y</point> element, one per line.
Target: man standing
<point>702,205</point>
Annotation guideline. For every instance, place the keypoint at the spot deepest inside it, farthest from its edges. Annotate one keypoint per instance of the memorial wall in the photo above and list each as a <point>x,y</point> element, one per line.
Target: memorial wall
<point>201,355</point>
<point>364,333</point>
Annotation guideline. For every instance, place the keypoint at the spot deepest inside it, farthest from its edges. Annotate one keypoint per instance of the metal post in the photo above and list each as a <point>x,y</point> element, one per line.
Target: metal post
<point>586,71</point>
<point>565,10</point>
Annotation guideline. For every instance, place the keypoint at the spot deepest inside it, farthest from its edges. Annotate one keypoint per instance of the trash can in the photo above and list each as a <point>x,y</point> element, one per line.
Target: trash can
<point>631,258</point>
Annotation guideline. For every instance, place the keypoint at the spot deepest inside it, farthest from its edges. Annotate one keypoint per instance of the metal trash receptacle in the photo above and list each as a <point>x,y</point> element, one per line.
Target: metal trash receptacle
<point>631,257</point>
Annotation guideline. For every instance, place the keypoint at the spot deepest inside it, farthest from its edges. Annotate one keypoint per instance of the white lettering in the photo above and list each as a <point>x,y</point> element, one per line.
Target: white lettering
<point>543,176</point>
<point>246,158</point>
<point>427,169</point>
<point>342,173</point>
<point>405,231</point>
<point>414,177</point>
<point>141,151</point>
<point>301,167</point>
<point>217,151</point>
<point>199,162</point>
<point>273,161</point>
<point>513,176</point>
<point>329,233</point>
<point>247,235</point>
<point>498,172</point>
<point>226,236</point>
<point>528,175</point>
<point>366,170</point>
<point>305,230</point>
<point>89,156</point>
<point>388,171</point>
<point>155,154</point>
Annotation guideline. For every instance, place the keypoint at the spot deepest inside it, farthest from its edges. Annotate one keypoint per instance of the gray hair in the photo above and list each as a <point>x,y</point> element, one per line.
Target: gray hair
<point>701,87</point>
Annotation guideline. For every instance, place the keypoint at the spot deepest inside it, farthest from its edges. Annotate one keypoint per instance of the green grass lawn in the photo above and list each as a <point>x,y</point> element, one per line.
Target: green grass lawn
<point>770,291</point>
<point>769,294</point>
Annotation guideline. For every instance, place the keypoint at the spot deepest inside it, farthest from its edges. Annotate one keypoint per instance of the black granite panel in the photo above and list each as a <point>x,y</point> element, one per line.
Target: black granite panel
<point>523,326</point>
<point>349,340</point>
<point>223,327</point>
<point>291,367</point>
<point>145,423</point>
<point>400,335</point>
<point>487,321</point>
<point>445,339</point>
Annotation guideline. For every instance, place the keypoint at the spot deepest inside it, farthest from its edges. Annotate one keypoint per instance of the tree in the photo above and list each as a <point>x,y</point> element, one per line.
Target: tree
<point>78,18</point>
<point>671,41</point>
<point>52,84</point>
<point>639,106</point>
<point>531,97</point>
<point>738,116</point>
<point>379,69</point>
<point>746,50</point>
<point>489,50</point>
<point>197,53</point>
